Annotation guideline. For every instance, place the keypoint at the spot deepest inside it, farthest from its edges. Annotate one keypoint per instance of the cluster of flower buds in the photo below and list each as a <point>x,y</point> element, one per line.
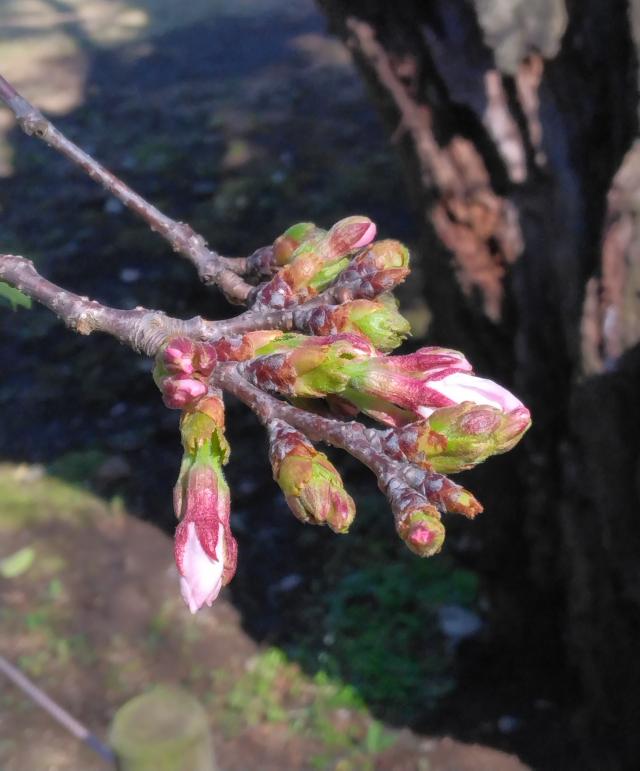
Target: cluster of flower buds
<point>311,485</point>
<point>205,549</point>
<point>314,263</point>
<point>334,288</point>
<point>182,371</point>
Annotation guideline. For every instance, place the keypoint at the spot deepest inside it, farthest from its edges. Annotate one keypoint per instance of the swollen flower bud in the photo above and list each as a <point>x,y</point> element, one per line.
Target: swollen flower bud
<point>307,366</point>
<point>350,233</point>
<point>378,320</point>
<point>205,549</point>
<point>247,346</point>
<point>179,392</point>
<point>456,438</point>
<point>182,369</point>
<point>311,485</point>
<point>375,270</point>
<point>315,263</point>
<point>417,520</point>
<point>284,247</point>
<point>425,381</point>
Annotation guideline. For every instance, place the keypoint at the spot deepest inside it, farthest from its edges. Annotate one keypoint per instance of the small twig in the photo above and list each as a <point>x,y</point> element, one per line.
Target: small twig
<point>58,713</point>
<point>212,267</point>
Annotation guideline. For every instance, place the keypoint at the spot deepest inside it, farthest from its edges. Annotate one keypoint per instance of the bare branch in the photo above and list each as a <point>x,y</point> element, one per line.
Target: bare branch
<point>142,329</point>
<point>212,267</point>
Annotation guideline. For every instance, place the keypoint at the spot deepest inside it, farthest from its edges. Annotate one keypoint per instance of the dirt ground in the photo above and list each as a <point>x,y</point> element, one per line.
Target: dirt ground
<point>95,619</point>
<point>240,117</point>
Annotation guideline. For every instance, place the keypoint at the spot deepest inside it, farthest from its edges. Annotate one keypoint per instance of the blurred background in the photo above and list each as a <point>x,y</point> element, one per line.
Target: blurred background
<point>497,139</point>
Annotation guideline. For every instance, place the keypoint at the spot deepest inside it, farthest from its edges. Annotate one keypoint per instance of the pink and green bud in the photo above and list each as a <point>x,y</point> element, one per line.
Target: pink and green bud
<point>372,272</point>
<point>205,550</point>
<point>182,369</point>
<point>378,320</point>
<point>417,521</point>
<point>307,366</point>
<point>247,346</point>
<point>422,531</point>
<point>447,496</point>
<point>284,247</point>
<point>181,392</point>
<point>204,424</point>
<point>315,263</point>
<point>425,381</point>
<point>350,233</point>
<point>456,438</point>
<point>266,260</point>
<point>311,484</point>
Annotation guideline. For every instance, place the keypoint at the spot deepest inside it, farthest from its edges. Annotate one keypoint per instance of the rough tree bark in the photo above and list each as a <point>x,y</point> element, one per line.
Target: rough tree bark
<point>516,122</point>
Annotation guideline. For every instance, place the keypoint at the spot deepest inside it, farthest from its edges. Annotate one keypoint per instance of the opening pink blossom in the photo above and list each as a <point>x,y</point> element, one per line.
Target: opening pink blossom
<point>201,576</point>
<point>462,387</point>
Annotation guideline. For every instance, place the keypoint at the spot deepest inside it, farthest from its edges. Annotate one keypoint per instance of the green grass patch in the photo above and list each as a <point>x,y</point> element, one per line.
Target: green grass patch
<point>371,621</point>
<point>30,498</point>
<point>319,708</point>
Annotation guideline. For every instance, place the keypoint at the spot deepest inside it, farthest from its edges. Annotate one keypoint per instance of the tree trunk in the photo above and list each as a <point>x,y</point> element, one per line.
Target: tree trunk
<point>516,124</point>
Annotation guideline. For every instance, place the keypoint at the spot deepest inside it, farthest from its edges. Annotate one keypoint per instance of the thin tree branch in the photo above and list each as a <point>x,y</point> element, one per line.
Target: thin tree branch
<point>142,329</point>
<point>212,267</point>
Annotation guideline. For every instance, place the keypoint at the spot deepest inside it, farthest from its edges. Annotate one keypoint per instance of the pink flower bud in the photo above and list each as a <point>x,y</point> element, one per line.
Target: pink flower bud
<point>205,358</point>
<point>424,381</point>
<point>178,392</point>
<point>351,233</point>
<point>178,356</point>
<point>205,549</point>
<point>416,518</point>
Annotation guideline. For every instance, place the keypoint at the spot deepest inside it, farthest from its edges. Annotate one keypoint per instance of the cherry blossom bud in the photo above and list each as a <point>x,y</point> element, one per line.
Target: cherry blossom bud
<point>457,387</point>
<point>378,320</point>
<point>247,346</point>
<point>178,356</point>
<point>205,550</point>
<point>284,246</point>
<point>179,392</point>
<point>307,366</point>
<point>417,520</point>
<point>456,438</point>
<point>312,486</point>
<point>350,233</point>
<point>447,496</point>
<point>315,263</point>
<point>425,381</point>
<point>182,369</point>
<point>374,271</point>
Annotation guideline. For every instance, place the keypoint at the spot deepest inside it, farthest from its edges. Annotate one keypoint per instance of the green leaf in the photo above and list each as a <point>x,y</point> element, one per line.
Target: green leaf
<point>17,563</point>
<point>13,296</point>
